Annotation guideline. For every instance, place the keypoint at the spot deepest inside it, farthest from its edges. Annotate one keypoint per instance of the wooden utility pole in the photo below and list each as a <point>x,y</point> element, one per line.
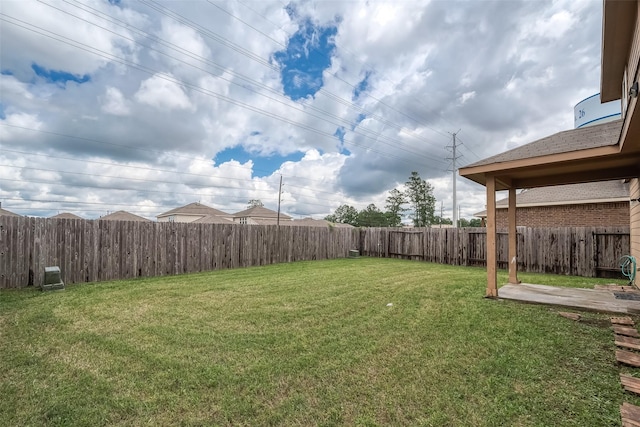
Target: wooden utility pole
<point>279,199</point>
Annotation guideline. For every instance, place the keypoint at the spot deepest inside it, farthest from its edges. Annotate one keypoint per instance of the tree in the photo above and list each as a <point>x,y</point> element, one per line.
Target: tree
<point>474,222</point>
<point>371,216</point>
<point>344,214</point>
<point>420,194</point>
<point>254,203</point>
<point>438,220</point>
<point>394,206</point>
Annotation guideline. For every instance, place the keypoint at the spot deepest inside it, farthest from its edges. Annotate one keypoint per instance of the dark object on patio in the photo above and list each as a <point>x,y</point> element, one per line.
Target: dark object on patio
<point>633,296</point>
<point>52,279</point>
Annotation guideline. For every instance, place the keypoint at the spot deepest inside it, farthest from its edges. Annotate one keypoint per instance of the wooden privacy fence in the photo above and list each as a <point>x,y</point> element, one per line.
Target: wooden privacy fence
<point>91,251</point>
<point>578,251</point>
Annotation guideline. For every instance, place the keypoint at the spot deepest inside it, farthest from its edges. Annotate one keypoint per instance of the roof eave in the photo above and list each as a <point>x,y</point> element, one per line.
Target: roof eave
<point>502,169</point>
<point>618,23</point>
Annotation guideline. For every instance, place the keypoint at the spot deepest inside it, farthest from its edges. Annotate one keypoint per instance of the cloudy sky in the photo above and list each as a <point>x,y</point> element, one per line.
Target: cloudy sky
<point>147,105</point>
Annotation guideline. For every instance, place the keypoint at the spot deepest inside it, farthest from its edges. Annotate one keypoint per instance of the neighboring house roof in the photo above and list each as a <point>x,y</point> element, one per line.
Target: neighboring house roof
<point>305,222</point>
<point>260,212</point>
<point>5,212</point>
<point>194,209</point>
<point>268,221</point>
<point>561,142</point>
<point>310,222</point>
<point>569,194</point>
<point>122,216</point>
<point>212,219</point>
<point>66,215</point>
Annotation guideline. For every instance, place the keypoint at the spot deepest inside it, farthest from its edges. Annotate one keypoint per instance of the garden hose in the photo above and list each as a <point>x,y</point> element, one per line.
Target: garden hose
<point>628,266</point>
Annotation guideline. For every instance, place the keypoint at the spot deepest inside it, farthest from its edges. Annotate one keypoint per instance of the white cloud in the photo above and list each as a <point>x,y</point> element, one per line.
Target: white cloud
<point>504,73</point>
<point>555,26</point>
<point>163,93</point>
<point>467,96</point>
<point>23,43</point>
<point>115,103</point>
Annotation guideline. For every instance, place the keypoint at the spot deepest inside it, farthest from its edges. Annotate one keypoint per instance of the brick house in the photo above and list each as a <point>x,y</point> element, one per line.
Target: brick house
<point>590,204</point>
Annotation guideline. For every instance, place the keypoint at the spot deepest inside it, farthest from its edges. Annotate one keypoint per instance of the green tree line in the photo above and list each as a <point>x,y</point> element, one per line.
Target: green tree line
<point>415,198</point>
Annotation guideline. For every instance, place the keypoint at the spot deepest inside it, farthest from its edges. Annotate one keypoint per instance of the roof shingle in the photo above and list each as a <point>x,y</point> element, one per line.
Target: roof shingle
<point>122,216</point>
<point>562,142</point>
<point>5,212</point>
<point>194,209</point>
<point>67,215</point>
<point>260,212</point>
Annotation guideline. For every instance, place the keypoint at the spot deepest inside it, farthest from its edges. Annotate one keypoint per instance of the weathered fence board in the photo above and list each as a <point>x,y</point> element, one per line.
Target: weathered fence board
<point>580,251</point>
<point>88,251</point>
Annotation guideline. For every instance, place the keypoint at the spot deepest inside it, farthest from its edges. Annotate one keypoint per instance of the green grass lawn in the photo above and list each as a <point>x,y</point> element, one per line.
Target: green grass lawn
<point>308,343</point>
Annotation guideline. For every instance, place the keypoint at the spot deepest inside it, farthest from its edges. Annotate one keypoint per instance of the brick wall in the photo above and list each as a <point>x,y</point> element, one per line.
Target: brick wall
<point>587,215</point>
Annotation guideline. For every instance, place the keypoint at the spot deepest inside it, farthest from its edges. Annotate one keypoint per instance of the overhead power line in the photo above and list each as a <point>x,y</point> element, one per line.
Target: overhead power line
<point>206,32</point>
<point>323,90</point>
<point>208,92</point>
<point>120,165</point>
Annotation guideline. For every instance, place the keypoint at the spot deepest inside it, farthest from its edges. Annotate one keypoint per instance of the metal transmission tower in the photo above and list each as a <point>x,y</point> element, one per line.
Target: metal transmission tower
<point>453,158</point>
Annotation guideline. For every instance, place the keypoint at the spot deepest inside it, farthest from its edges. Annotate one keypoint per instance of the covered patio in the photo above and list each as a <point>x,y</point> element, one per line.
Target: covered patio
<point>574,156</point>
<point>601,152</point>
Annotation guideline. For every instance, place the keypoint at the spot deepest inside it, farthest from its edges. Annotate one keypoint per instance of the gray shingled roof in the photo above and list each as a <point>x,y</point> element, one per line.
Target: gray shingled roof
<point>194,209</point>
<point>5,212</point>
<point>122,216</point>
<point>66,215</point>
<point>212,219</point>
<point>260,212</point>
<point>569,194</point>
<point>563,142</point>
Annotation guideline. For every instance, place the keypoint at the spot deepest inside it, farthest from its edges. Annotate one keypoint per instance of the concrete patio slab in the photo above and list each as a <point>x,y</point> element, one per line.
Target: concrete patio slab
<point>601,300</point>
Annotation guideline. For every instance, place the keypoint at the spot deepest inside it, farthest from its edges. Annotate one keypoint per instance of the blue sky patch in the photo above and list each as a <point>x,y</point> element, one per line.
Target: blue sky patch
<point>58,77</point>
<point>307,55</point>
<point>359,119</point>
<point>340,133</point>
<point>262,165</point>
<point>362,86</point>
<point>2,114</point>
